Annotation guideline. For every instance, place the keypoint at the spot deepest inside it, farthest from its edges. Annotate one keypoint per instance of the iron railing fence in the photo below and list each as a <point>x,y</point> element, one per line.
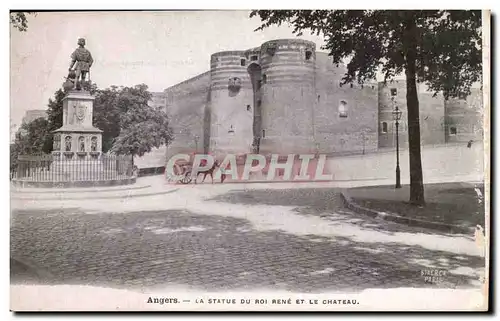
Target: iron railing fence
<point>47,168</point>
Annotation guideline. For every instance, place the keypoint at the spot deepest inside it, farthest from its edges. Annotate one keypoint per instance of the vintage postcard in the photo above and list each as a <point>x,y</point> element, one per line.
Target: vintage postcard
<point>260,160</point>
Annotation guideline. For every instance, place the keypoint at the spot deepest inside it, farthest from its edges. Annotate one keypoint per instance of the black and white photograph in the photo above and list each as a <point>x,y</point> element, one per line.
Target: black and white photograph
<point>250,160</point>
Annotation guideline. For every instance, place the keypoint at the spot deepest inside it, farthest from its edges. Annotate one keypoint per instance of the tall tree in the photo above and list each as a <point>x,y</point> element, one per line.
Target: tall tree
<point>142,126</point>
<point>54,118</point>
<point>34,136</point>
<point>14,154</point>
<point>438,47</point>
<point>109,106</point>
<point>107,115</point>
<point>19,20</point>
<point>31,138</point>
<point>55,110</point>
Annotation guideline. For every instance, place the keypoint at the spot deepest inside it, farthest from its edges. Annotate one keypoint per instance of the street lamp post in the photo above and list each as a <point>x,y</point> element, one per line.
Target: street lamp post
<point>396,114</point>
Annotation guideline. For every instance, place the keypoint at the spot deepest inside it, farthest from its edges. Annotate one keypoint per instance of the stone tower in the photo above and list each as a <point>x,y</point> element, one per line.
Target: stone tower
<point>288,96</point>
<point>231,103</point>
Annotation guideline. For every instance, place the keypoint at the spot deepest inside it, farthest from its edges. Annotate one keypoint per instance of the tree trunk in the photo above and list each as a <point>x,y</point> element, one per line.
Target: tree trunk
<point>416,177</point>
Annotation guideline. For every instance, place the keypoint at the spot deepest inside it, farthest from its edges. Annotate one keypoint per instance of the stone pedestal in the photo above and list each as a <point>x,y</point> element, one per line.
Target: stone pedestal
<point>77,144</point>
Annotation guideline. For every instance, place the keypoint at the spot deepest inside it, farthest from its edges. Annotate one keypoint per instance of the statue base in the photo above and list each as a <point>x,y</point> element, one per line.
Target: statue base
<point>77,134</point>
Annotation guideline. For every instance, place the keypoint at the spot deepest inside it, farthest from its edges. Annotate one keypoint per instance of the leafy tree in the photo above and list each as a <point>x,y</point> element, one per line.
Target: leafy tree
<point>19,21</point>
<point>31,138</point>
<point>16,149</point>
<point>54,118</point>
<point>109,106</point>
<point>437,47</point>
<point>107,115</point>
<point>142,126</point>
<point>14,154</point>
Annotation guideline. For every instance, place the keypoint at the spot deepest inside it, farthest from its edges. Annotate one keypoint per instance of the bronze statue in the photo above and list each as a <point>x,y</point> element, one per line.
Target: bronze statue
<point>81,60</point>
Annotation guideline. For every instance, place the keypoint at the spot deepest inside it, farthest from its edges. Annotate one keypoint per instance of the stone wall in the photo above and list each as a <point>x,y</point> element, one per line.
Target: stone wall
<point>185,105</point>
<point>154,159</point>
<point>288,94</point>
<point>351,127</point>
<point>231,103</point>
<point>464,118</point>
<point>432,122</point>
<point>431,115</point>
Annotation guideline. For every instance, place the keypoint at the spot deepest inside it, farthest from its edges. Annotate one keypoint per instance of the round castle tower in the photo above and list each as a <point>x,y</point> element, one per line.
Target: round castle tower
<point>288,96</point>
<point>231,103</point>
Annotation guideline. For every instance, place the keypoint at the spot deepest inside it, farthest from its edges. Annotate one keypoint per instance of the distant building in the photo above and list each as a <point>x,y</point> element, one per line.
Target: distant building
<point>31,115</point>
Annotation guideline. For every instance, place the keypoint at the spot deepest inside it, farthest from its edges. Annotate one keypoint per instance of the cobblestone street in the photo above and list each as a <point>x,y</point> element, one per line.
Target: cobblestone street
<point>218,238</point>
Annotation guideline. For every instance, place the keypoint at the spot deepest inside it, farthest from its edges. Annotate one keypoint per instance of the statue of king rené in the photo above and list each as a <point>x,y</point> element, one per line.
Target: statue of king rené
<point>81,61</point>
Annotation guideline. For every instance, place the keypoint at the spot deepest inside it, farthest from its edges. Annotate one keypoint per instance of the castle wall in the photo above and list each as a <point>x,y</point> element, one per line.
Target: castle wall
<point>352,131</point>
<point>464,118</point>
<point>154,159</point>
<point>287,96</point>
<point>431,115</point>
<point>185,105</point>
<point>431,118</point>
<point>231,103</point>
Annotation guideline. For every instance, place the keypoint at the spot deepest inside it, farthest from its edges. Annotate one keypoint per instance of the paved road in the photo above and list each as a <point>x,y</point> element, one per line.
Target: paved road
<point>213,238</point>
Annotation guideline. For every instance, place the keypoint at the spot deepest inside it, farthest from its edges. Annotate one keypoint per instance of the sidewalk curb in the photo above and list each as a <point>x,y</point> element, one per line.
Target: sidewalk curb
<point>123,196</point>
<point>227,182</point>
<point>448,228</point>
<point>79,190</point>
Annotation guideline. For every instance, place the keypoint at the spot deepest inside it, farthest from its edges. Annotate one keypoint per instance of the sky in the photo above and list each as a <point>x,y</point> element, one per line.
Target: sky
<point>159,49</point>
